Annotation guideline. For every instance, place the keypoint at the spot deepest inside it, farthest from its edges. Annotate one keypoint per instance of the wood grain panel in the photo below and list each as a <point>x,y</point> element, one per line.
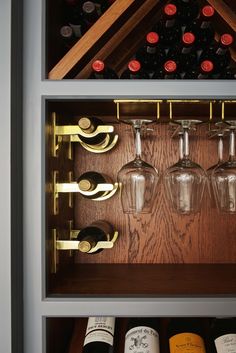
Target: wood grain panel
<point>163,236</point>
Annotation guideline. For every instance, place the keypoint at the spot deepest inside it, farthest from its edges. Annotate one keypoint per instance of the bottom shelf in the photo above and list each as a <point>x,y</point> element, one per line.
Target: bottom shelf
<point>124,280</point>
<point>66,335</point>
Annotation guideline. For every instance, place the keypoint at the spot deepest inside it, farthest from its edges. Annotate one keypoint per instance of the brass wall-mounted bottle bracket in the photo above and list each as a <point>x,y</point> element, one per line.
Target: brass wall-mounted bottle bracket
<point>72,244</point>
<point>108,190</point>
<point>72,133</point>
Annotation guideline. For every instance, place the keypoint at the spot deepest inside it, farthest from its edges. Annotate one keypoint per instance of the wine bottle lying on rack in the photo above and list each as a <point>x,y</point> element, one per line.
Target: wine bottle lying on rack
<point>219,53</point>
<point>89,181</point>
<point>100,230</point>
<point>67,36</point>
<point>101,71</point>
<point>151,55</point>
<point>89,125</point>
<point>142,336</point>
<point>203,28</point>
<point>169,27</point>
<point>134,71</point>
<point>204,70</point>
<point>184,53</point>
<point>99,335</point>
<point>168,71</point>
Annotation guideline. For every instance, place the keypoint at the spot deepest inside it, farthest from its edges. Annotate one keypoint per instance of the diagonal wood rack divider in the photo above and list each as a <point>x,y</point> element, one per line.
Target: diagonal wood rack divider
<point>113,27</point>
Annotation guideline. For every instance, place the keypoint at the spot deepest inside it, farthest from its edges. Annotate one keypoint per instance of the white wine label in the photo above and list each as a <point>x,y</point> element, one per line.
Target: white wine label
<point>100,329</point>
<point>99,336</point>
<point>142,339</point>
<point>226,343</point>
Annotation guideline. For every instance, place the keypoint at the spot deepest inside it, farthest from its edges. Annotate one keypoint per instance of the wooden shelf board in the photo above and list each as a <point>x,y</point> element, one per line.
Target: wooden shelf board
<point>145,280</point>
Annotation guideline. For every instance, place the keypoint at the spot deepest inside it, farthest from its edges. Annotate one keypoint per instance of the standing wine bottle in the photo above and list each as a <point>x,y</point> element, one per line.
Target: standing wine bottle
<point>99,335</point>
<point>205,70</point>
<point>168,71</point>
<point>89,125</point>
<point>101,71</point>
<point>186,335</point>
<point>151,56</point>
<point>168,28</point>
<point>223,335</point>
<point>185,53</point>
<point>202,28</point>
<point>142,336</point>
<point>134,71</point>
<point>219,54</point>
<point>89,181</point>
<point>88,237</point>
<point>187,10</point>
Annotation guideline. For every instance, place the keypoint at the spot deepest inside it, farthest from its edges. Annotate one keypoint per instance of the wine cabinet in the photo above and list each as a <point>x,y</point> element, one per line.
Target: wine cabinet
<point>115,37</point>
<point>161,253</point>
<point>162,264</point>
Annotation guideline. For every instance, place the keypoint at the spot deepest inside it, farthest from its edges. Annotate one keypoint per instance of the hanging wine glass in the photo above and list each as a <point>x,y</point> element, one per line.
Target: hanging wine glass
<point>138,180</point>
<point>185,180</point>
<point>224,178</point>
<point>219,132</point>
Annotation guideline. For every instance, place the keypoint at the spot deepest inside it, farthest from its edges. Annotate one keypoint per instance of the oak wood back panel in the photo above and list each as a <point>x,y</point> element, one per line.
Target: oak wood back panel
<point>163,236</point>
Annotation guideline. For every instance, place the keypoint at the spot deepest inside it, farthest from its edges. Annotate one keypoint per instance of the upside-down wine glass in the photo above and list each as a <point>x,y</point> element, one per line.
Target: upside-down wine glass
<point>209,171</point>
<point>185,180</point>
<point>138,180</point>
<point>224,177</point>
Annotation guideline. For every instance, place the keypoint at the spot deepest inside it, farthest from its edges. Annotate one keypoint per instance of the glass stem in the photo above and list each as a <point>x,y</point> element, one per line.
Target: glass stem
<point>138,146</point>
<point>220,149</point>
<point>186,144</point>
<point>181,146</point>
<point>232,145</point>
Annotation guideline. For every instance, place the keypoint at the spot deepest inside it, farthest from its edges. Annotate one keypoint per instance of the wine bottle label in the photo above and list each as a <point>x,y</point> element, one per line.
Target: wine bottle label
<point>226,343</point>
<point>186,342</point>
<point>100,329</point>
<point>142,339</point>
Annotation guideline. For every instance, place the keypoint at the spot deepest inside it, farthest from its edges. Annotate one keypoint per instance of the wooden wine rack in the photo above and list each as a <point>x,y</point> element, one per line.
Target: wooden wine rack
<point>117,34</point>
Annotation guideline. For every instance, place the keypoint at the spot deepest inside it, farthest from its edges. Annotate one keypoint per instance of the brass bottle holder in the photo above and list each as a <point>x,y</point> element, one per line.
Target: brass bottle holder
<point>71,187</point>
<point>72,243</point>
<point>72,133</point>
